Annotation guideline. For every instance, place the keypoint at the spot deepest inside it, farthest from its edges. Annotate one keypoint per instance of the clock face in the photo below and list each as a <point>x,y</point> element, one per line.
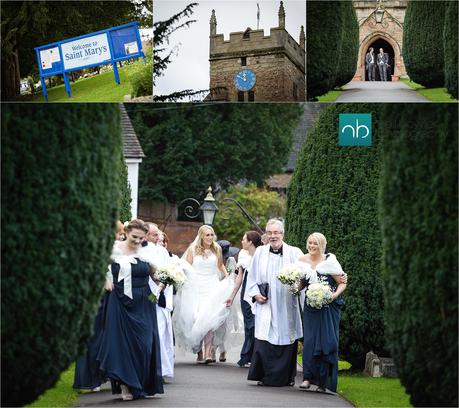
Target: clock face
<point>245,79</point>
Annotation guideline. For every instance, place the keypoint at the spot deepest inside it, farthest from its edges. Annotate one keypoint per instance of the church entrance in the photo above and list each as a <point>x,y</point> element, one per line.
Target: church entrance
<point>380,43</point>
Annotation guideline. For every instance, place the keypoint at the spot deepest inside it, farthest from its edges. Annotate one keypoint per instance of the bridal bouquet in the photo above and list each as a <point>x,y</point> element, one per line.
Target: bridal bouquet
<point>291,275</point>
<point>171,274</point>
<point>319,294</point>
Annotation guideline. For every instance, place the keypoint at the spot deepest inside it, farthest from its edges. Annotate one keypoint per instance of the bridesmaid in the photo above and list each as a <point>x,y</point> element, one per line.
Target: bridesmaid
<point>321,326</point>
<point>87,374</point>
<point>250,241</point>
<point>129,354</point>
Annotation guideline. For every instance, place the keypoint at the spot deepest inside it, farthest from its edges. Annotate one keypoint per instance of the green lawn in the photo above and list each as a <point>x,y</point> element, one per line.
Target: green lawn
<point>330,96</point>
<point>432,94</point>
<point>62,395</point>
<point>364,391</point>
<point>99,88</point>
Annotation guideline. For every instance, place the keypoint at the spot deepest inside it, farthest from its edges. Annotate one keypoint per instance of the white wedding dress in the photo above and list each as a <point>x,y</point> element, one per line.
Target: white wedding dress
<point>200,304</point>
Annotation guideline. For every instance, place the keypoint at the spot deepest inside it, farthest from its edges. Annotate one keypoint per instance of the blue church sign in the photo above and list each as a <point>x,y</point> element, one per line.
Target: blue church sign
<point>90,50</point>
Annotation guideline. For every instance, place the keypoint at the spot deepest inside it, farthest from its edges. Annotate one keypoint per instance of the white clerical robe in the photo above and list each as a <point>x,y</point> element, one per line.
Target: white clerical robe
<point>277,321</point>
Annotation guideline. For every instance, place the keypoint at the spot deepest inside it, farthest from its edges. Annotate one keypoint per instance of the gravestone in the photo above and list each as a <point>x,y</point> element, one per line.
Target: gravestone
<point>379,366</point>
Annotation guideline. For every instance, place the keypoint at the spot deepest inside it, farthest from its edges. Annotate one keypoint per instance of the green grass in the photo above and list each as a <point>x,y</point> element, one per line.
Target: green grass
<point>330,96</point>
<point>62,395</point>
<point>432,94</point>
<point>364,391</point>
<point>99,88</point>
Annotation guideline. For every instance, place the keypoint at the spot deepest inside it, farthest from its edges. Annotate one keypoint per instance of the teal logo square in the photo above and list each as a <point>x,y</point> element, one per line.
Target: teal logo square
<point>355,129</point>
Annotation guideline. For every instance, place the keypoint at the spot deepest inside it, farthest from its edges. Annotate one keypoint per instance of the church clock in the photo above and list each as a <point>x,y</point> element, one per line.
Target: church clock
<point>245,79</point>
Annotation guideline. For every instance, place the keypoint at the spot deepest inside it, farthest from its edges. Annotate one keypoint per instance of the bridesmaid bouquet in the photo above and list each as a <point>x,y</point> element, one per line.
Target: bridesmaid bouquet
<point>290,275</point>
<point>319,294</point>
<point>171,274</point>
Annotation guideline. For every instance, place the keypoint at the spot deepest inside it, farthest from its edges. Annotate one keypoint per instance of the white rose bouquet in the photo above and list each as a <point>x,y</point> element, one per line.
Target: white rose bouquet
<point>291,275</point>
<point>319,294</point>
<point>171,274</point>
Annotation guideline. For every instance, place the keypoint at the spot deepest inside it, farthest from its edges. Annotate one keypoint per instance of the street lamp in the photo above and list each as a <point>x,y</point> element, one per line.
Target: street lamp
<point>379,13</point>
<point>208,208</point>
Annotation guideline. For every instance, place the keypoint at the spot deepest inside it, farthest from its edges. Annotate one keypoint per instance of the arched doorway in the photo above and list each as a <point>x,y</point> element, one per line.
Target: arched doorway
<point>377,44</point>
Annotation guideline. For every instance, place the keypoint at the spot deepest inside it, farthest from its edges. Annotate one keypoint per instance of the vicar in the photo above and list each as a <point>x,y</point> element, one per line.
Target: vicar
<point>277,314</point>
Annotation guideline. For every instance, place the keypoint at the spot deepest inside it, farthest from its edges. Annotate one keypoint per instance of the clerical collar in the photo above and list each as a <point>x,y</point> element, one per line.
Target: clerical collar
<point>276,251</point>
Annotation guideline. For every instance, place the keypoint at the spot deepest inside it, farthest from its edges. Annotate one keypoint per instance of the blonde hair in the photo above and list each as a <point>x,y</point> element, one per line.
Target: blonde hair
<point>198,244</point>
<point>320,239</point>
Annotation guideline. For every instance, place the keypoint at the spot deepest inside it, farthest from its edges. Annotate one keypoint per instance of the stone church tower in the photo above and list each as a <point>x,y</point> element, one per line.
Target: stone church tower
<point>387,34</point>
<point>277,61</point>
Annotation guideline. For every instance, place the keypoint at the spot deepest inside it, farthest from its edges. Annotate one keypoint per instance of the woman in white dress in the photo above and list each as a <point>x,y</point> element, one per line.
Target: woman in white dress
<point>200,307</point>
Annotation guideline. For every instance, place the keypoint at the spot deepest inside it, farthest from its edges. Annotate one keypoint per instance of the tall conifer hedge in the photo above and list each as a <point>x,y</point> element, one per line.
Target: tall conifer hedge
<point>450,43</point>
<point>334,191</point>
<point>420,248</point>
<point>324,40</point>
<point>60,190</point>
<point>422,48</point>
<point>350,46</point>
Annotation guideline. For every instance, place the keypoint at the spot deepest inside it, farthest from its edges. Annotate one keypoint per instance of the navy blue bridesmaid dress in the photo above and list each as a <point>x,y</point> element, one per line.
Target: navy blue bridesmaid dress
<point>129,353</point>
<point>87,373</point>
<point>321,341</point>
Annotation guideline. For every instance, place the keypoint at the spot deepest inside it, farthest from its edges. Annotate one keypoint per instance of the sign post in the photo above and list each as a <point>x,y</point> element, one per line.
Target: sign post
<point>87,51</point>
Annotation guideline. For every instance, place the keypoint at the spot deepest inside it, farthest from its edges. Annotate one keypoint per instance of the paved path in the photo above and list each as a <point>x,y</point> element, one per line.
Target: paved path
<point>216,385</point>
<point>379,91</point>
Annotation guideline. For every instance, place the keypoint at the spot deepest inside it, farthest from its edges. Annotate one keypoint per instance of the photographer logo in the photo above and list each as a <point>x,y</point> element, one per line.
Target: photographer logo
<point>355,129</point>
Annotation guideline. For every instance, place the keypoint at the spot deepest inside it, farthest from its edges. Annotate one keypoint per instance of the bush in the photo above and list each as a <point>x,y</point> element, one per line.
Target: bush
<point>350,46</point>
<point>140,75</point>
<point>324,23</point>
<point>420,237</point>
<point>450,41</point>
<point>334,191</point>
<point>59,206</point>
<point>423,28</point>
<point>260,203</point>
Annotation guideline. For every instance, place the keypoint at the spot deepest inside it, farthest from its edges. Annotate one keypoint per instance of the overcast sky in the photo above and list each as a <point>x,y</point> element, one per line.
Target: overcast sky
<point>190,67</point>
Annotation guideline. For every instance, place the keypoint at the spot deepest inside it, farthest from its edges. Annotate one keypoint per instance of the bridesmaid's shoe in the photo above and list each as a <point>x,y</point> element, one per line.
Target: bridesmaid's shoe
<point>320,389</point>
<point>200,359</point>
<point>125,394</point>
<point>222,357</point>
<point>305,385</point>
<point>96,389</point>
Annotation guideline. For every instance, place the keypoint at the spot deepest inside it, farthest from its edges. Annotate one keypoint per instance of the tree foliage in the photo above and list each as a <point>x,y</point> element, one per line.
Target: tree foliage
<point>261,204</point>
<point>190,147</point>
<point>125,193</point>
<point>59,199</point>
<point>29,24</point>
<point>420,248</point>
<point>422,31</point>
<point>450,41</point>
<point>334,191</point>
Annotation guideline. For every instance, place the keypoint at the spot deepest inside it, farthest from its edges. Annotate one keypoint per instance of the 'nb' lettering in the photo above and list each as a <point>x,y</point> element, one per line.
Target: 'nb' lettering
<point>355,130</point>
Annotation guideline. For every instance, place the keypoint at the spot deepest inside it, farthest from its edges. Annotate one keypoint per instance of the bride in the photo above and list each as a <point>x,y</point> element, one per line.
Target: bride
<point>200,304</point>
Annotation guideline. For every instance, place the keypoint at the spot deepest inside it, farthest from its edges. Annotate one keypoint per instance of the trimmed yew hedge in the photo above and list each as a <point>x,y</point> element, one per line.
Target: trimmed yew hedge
<point>60,191</point>
<point>334,191</point>
<point>423,30</point>
<point>450,43</point>
<point>350,46</point>
<point>420,248</point>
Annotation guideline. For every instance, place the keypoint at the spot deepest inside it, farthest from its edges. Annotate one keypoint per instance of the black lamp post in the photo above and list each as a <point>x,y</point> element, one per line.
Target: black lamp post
<point>379,13</point>
<point>209,208</point>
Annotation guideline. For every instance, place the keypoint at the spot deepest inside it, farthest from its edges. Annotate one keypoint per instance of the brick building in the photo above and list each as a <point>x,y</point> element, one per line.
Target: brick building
<point>388,34</point>
<point>277,60</point>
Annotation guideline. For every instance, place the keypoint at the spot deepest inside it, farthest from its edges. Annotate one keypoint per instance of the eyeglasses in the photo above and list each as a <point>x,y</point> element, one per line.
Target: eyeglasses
<point>269,233</point>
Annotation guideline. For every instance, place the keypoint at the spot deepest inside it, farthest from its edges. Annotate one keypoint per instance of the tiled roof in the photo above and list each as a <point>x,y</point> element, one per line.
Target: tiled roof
<point>311,112</point>
<point>131,145</point>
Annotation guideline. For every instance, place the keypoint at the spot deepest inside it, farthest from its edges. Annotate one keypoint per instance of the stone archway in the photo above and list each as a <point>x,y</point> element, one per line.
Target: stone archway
<point>378,40</point>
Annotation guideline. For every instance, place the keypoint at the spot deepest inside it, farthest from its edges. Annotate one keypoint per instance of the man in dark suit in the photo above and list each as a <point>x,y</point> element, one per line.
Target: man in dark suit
<point>370,61</point>
<point>383,62</point>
